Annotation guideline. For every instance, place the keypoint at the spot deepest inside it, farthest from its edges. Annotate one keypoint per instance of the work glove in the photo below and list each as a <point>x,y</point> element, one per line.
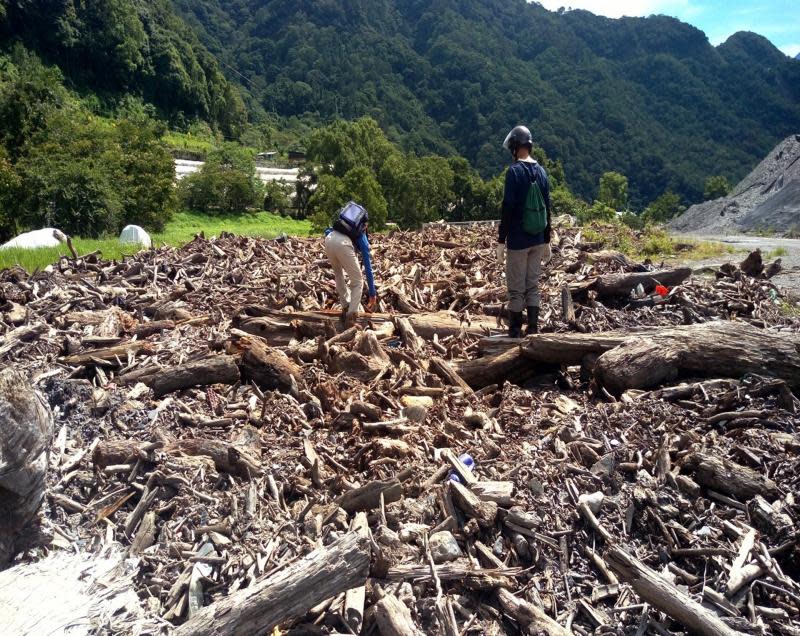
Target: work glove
<point>500,253</point>
<point>373,300</point>
<point>547,254</point>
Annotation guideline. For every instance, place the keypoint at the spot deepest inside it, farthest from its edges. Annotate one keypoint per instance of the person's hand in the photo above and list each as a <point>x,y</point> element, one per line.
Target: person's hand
<point>373,300</point>
<point>350,319</point>
<point>500,253</point>
<point>547,254</point>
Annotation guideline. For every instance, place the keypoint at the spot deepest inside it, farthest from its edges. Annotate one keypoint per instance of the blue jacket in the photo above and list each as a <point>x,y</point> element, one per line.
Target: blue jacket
<point>362,244</point>
<point>518,180</point>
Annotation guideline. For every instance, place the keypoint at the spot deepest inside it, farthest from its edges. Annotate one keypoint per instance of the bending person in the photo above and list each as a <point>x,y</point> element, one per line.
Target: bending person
<point>348,234</point>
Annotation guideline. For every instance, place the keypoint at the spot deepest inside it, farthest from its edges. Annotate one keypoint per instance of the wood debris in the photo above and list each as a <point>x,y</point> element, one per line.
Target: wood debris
<point>632,469</point>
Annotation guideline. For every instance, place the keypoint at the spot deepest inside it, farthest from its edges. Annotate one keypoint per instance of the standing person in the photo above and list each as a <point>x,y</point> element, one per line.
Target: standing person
<point>349,232</point>
<point>524,236</point>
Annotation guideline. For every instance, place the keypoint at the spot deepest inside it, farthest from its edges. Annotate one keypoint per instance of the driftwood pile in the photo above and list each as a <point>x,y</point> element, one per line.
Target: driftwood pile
<point>199,413</point>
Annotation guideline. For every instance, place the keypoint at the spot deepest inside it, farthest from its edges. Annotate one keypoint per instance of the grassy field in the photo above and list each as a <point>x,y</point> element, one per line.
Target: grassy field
<point>652,242</point>
<point>181,229</point>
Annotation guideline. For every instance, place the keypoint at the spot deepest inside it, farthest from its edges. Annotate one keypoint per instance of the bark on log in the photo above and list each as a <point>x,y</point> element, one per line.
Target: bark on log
<point>443,369</point>
<point>484,512</point>
<point>26,430</point>
<point>279,327</point>
<point>394,618</point>
<point>533,619</point>
<point>506,366</point>
<point>612,285</point>
<point>368,497</point>
<point>718,349</point>
<point>227,457</point>
<point>729,477</point>
<point>322,574</point>
<point>665,596</point>
<point>109,354</point>
<point>212,370</point>
<point>267,367</point>
<point>567,307</point>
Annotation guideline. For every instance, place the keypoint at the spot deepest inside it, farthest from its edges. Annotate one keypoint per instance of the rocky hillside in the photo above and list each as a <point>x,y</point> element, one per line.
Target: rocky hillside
<point>766,199</point>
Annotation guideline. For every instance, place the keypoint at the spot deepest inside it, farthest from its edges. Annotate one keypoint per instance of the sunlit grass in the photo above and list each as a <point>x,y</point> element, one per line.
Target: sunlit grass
<point>181,229</point>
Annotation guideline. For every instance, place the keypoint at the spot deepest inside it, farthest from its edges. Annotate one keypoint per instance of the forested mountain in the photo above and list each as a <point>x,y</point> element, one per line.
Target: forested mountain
<point>648,97</point>
<point>118,48</point>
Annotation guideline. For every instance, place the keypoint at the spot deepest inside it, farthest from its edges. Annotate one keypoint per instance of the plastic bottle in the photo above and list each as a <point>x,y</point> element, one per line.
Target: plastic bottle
<point>467,461</point>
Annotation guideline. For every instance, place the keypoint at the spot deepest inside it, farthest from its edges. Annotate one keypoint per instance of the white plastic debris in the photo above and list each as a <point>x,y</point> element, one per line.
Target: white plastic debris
<point>46,237</point>
<point>133,234</point>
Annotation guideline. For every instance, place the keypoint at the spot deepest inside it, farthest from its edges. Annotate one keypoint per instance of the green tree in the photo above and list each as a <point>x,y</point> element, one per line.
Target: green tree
<point>614,190</point>
<point>276,197</point>
<point>147,173</point>
<point>70,175</point>
<point>10,183</point>
<point>360,185</point>
<point>665,207</point>
<point>716,187</point>
<point>598,211</point>
<point>226,182</point>
<point>563,201</point>
<point>29,93</point>
<point>344,145</point>
<point>417,189</point>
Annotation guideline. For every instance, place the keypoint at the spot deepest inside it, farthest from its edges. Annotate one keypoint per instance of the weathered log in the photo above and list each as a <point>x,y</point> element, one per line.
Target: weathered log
<point>368,497</point>
<point>532,618</point>
<point>443,369</point>
<point>26,430</point>
<point>145,329</point>
<point>484,512</point>
<point>394,618</point>
<point>612,285</point>
<point>567,306</point>
<point>728,477</point>
<point>508,365</point>
<point>217,369</point>
<point>227,457</point>
<point>663,595</point>
<point>753,264</point>
<point>109,354</point>
<point>269,368</point>
<point>718,349</point>
<point>279,326</point>
<point>354,598</point>
<point>322,574</point>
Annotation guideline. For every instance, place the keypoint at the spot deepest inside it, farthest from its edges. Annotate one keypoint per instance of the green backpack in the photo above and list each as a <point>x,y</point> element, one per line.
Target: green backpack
<point>534,212</point>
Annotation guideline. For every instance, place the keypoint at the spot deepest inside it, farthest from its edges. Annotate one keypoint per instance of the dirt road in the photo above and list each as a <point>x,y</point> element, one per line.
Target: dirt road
<point>788,250</point>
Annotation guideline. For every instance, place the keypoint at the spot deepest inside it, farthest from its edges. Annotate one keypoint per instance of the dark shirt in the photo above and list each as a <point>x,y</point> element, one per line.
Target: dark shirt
<point>518,181</point>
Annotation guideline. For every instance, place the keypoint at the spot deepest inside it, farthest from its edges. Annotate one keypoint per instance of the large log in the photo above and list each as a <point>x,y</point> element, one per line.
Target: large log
<point>729,477</point>
<point>269,368</point>
<point>278,327</point>
<point>612,285</point>
<point>664,596</point>
<point>718,349</point>
<point>323,574</point>
<point>26,430</point>
<point>211,370</point>
<point>394,618</point>
<point>496,369</point>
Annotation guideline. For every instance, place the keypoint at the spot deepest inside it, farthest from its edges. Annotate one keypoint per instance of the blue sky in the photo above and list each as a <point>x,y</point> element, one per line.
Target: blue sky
<point>778,20</point>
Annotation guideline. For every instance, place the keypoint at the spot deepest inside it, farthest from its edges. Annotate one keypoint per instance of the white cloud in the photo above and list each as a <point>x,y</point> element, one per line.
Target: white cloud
<point>619,8</point>
<point>791,49</point>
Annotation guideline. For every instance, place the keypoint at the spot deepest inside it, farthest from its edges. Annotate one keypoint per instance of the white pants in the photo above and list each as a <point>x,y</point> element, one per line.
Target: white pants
<point>523,268</point>
<point>342,257</point>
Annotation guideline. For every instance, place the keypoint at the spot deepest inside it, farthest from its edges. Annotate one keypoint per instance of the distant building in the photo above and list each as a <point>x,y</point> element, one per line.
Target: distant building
<point>297,155</point>
<point>268,156</point>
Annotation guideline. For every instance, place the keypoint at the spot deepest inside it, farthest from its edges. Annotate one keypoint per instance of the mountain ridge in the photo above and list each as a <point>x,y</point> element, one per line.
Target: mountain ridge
<point>649,97</point>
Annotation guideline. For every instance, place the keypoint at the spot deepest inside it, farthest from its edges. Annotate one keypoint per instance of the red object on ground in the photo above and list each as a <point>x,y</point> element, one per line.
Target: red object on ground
<point>661,290</point>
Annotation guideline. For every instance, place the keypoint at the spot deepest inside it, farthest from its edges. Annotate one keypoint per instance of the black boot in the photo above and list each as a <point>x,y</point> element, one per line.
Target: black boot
<point>515,324</point>
<point>533,320</point>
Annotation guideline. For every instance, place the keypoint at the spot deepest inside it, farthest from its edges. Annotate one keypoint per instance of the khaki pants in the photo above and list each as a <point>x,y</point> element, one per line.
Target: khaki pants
<point>523,268</point>
<point>342,257</point>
